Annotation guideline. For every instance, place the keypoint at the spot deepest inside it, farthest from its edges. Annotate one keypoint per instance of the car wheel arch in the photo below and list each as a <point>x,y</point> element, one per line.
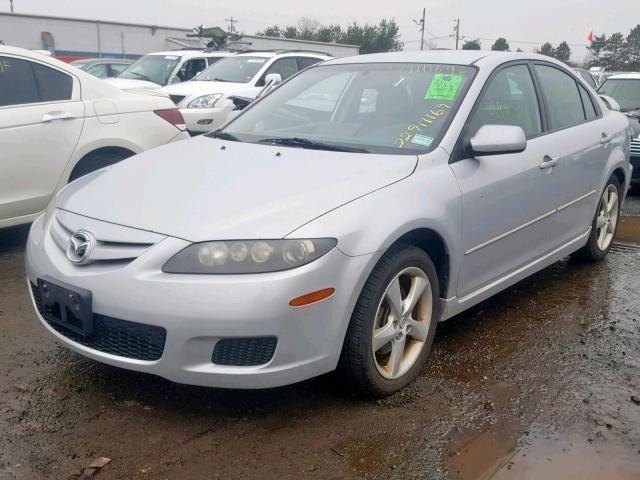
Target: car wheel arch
<point>84,163</point>
<point>434,244</point>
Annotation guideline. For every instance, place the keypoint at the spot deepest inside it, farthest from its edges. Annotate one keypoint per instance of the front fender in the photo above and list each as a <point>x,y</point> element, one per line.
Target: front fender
<point>428,199</point>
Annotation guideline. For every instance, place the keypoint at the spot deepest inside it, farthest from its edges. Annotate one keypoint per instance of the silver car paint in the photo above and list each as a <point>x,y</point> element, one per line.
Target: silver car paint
<point>500,217</point>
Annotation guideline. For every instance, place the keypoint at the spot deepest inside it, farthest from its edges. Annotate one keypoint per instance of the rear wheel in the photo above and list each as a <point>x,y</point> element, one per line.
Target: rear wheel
<point>605,222</point>
<point>393,324</point>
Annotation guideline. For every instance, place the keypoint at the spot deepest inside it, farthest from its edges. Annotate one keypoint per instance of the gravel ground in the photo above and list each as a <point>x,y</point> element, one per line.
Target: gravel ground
<point>542,381</point>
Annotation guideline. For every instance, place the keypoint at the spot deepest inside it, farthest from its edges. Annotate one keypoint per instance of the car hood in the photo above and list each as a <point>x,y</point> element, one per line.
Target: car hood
<point>130,83</point>
<point>208,189</point>
<point>193,87</point>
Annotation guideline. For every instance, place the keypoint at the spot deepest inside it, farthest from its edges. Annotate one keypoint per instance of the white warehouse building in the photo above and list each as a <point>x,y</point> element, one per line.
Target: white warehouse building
<point>73,38</point>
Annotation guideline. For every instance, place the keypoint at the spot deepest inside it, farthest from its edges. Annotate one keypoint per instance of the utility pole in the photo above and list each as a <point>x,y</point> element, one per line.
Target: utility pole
<point>231,21</point>
<point>11,5</point>
<point>457,27</point>
<point>421,24</point>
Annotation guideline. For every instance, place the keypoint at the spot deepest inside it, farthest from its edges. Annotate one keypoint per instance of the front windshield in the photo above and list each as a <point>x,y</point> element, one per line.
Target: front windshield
<point>378,108</point>
<point>152,68</point>
<point>233,69</point>
<point>624,91</point>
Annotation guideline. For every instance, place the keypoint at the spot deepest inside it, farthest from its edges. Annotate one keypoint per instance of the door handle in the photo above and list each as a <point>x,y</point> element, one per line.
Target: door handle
<point>58,115</point>
<point>548,162</point>
<point>605,138</point>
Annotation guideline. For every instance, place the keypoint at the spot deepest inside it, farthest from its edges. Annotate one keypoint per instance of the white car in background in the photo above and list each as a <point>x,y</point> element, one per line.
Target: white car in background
<point>158,69</point>
<point>204,101</point>
<point>58,123</point>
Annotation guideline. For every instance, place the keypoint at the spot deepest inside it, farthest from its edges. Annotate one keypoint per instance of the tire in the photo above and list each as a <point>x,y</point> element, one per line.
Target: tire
<point>365,370</point>
<point>95,161</point>
<point>596,249</point>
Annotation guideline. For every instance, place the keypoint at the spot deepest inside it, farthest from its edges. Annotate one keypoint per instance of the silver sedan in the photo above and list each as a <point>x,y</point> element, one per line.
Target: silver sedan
<point>334,222</point>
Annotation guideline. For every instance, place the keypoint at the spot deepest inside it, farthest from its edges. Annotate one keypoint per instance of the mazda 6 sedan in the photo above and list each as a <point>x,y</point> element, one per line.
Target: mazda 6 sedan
<point>334,222</point>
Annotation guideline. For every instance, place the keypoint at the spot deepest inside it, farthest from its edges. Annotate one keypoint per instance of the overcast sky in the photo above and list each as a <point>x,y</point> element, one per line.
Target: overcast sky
<point>526,24</point>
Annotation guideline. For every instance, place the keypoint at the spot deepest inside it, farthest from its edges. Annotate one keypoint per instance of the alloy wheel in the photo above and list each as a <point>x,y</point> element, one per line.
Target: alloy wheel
<point>607,217</point>
<point>402,323</point>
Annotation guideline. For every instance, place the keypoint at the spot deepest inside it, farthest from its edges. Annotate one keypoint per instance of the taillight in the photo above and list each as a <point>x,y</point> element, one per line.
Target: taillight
<point>173,116</point>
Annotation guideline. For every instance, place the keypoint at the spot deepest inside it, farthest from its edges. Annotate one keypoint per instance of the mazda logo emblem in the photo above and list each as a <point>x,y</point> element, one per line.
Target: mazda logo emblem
<point>79,247</point>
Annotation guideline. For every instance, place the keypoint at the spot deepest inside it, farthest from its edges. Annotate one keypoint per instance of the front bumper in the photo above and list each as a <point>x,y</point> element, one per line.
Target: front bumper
<point>203,120</point>
<point>199,310</point>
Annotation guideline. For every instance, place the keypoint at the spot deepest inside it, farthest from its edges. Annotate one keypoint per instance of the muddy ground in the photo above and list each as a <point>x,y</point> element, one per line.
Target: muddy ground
<point>542,381</point>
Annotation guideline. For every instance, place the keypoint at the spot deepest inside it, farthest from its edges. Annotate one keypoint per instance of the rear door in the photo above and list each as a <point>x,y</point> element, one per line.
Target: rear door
<point>508,201</point>
<point>578,141</point>
<point>41,117</point>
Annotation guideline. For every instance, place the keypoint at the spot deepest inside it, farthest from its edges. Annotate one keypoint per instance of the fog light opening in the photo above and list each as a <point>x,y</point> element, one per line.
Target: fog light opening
<point>312,297</point>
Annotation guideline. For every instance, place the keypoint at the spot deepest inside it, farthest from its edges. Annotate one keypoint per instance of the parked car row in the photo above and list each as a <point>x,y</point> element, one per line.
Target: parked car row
<point>58,123</point>
<point>103,67</point>
<point>625,90</point>
<point>329,225</point>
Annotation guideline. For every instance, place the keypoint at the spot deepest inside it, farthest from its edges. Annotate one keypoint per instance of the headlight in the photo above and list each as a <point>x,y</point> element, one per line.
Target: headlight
<point>205,101</point>
<point>248,256</point>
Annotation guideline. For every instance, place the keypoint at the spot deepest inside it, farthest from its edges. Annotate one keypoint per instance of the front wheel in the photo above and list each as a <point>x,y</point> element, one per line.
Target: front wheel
<point>393,324</point>
<point>605,222</point>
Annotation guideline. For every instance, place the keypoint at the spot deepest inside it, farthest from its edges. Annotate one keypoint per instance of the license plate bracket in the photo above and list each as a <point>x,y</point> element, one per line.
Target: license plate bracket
<point>67,305</point>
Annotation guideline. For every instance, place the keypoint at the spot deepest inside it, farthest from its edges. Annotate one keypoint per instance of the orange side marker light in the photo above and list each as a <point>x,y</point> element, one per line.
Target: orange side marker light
<point>312,297</point>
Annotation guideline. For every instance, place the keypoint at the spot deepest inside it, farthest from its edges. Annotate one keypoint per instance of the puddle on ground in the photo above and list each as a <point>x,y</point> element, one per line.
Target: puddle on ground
<point>571,458</point>
<point>628,230</point>
<point>495,456</point>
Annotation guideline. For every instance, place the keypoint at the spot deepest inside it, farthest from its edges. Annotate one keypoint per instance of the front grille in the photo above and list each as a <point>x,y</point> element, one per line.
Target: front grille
<point>635,147</point>
<point>244,352</point>
<point>113,336</point>
<point>176,98</point>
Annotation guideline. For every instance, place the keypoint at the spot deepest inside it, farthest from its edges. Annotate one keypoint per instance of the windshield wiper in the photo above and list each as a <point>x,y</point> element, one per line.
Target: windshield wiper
<point>223,136</point>
<point>142,76</point>
<point>220,80</point>
<point>310,144</point>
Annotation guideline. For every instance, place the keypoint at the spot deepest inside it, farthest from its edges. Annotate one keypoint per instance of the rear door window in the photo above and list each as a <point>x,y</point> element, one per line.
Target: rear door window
<point>589,109</point>
<point>17,82</point>
<point>563,100</point>
<point>53,84</point>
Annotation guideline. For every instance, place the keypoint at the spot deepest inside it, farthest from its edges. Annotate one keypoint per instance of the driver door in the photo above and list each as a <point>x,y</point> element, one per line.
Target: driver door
<point>508,200</point>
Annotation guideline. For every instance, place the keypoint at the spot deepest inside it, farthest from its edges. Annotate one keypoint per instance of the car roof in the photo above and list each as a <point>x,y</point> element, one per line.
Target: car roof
<point>193,53</point>
<point>483,58</point>
<point>284,53</point>
<point>85,61</point>
<point>625,76</point>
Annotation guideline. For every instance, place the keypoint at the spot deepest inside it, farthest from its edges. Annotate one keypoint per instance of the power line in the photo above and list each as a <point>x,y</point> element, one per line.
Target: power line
<point>421,23</point>
<point>231,21</point>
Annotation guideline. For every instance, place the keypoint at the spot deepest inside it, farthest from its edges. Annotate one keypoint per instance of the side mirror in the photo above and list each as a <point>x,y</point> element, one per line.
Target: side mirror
<point>498,139</point>
<point>273,79</point>
<point>610,102</point>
